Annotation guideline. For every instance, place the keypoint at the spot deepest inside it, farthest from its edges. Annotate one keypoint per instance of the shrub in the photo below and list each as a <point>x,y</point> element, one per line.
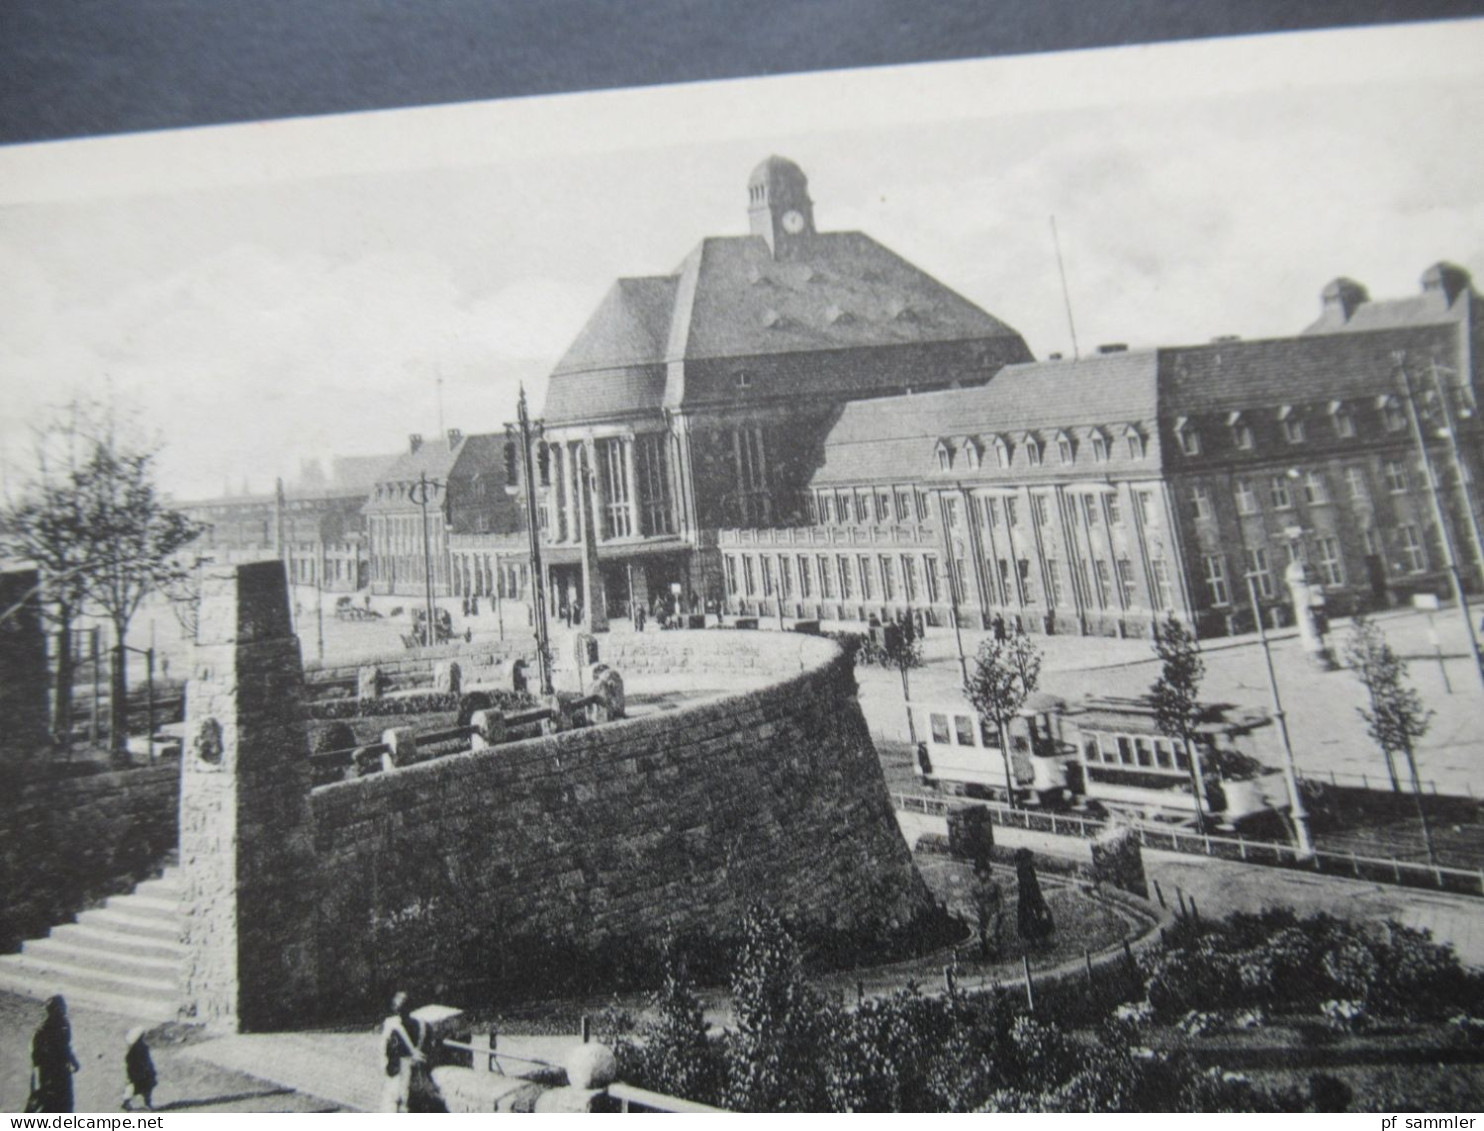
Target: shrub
<point>336,736</point>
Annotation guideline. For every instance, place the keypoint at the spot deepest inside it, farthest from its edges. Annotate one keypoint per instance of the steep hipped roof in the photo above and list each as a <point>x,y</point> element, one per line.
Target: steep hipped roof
<point>616,363</point>
<point>1249,374</point>
<point>731,299</point>
<point>846,291</point>
<point>441,459</point>
<point>893,439</point>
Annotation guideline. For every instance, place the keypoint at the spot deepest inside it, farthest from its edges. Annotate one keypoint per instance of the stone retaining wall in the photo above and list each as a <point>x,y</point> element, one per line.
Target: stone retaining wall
<point>612,836</point>
<point>67,843</point>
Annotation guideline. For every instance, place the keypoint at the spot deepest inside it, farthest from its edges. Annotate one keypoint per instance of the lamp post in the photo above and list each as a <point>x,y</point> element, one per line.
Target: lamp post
<point>420,494</point>
<point>1290,773</point>
<point>523,432</point>
<point>1455,575</point>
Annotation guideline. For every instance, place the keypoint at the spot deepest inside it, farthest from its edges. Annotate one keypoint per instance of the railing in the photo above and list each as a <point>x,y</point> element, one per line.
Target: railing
<point>854,534</point>
<point>1380,785</point>
<point>1375,869</point>
<point>629,1097</point>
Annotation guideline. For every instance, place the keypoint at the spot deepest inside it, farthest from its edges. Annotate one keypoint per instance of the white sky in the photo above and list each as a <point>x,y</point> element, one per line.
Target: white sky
<point>283,290</point>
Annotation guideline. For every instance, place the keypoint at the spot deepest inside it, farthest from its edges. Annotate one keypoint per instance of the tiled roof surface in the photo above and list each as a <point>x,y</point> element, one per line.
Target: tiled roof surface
<point>730,298</point>
<point>616,363</point>
<point>1306,369</point>
<point>848,291</point>
<point>438,460</point>
<point>359,472</point>
<point>1417,310</point>
<point>894,439</point>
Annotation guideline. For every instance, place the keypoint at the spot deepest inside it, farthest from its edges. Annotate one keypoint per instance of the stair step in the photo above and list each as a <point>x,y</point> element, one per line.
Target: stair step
<point>139,903</point>
<point>55,971</point>
<point>123,921</point>
<point>144,1007</point>
<point>75,952</point>
<point>90,935</point>
<point>170,887</point>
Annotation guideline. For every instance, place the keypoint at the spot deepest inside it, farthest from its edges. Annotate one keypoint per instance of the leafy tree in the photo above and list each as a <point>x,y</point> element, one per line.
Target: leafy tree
<point>45,526</point>
<point>1396,718</point>
<point>776,1057</point>
<point>132,539</point>
<point>1176,699</point>
<point>673,1053</point>
<point>1006,672</point>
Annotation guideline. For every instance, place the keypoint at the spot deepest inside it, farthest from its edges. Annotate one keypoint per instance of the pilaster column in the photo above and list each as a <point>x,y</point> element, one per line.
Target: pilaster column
<point>631,470</point>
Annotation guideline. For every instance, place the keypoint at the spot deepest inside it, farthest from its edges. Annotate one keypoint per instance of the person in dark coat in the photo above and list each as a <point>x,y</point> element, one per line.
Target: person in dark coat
<point>139,1068</point>
<point>52,1060</point>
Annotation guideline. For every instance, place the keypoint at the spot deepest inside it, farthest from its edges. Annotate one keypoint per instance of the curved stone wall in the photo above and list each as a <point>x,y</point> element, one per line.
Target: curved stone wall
<point>601,841</point>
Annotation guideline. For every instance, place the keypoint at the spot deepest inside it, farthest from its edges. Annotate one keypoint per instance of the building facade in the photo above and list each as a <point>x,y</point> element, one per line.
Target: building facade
<point>441,489</point>
<point>701,400</point>
<point>1096,496</point>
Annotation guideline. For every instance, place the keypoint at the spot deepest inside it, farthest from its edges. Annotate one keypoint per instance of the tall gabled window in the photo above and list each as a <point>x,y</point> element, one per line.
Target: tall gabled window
<point>1001,452</point>
<point>1099,444</point>
<point>1343,419</point>
<point>973,454</point>
<point>1292,424</point>
<point>1393,416</point>
<point>1032,451</point>
<point>1065,451</point>
<point>1135,441</point>
<point>1188,436</point>
<point>945,456</point>
<point>1242,438</point>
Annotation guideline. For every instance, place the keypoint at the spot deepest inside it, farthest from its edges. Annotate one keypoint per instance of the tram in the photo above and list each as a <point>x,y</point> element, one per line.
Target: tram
<point>1102,755</point>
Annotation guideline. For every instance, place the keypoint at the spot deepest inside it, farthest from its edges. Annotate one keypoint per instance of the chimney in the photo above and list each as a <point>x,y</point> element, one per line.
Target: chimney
<point>414,442</point>
<point>1113,347</point>
<point>454,436</point>
<point>1341,298</point>
<point>1449,279</point>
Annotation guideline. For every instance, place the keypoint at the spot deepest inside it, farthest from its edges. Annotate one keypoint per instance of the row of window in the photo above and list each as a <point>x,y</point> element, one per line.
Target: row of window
<point>911,578</point>
<point>1312,484</point>
<point>1328,560</point>
<point>1093,441</point>
<point>1293,426</point>
<point>1139,750</point>
<point>893,577</point>
<point>881,504</point>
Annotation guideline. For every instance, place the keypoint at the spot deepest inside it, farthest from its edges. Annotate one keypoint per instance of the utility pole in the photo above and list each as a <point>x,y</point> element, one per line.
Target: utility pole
<point>420,495</point>
<point>1440,515</point>
<point>1449,431</point>
<point>526,429</point>
<point>1290,773</point>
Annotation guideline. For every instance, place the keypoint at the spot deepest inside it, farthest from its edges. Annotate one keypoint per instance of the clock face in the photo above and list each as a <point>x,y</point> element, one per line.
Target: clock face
<point>793,222</point>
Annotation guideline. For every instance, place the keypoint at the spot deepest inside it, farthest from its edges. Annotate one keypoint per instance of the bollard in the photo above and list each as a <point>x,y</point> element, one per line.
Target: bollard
<point>948,979</point>
<point>587,1028</point>
<point>1195,912</point>
<point>1158,894</point>
<point>860,992</point>
<point>1030,991</point>
<point>1180,895</point>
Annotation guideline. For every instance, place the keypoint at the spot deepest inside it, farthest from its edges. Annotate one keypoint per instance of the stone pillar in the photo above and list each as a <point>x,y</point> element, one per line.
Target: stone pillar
<point>594,599</point>
<point>246,827</point>
<point>489,729</point>
<point>447,677</point>
<point>572,491</point>
<point>631,472</point>
<point>599,512</point>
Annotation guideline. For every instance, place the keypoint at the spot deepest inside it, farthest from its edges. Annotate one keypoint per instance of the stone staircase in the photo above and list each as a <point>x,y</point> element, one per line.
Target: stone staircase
<point>123,957</point>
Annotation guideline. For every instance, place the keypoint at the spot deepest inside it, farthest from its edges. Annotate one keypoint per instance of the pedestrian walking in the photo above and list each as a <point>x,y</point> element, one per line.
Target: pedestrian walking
<point>52,1060</point>
<point>139,1070</point>
<point>401,1043</point>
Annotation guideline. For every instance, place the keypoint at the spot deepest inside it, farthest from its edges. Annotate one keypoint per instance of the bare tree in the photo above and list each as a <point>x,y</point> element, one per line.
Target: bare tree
<point>1396,718</point>
<point>1176,699</point>
<point>1006,672</point>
